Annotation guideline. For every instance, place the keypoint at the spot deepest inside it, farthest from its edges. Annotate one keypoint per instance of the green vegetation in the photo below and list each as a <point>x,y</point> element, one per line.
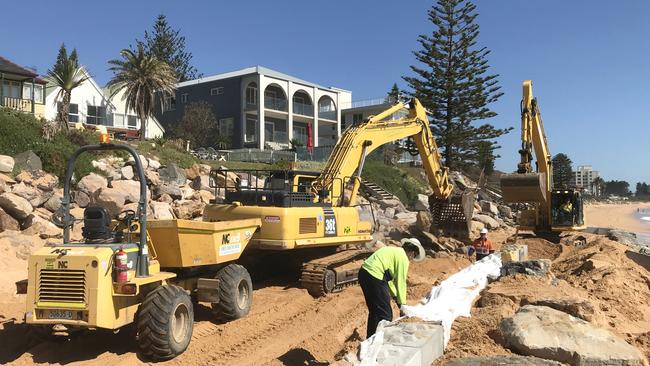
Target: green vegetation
<point>66,74</point>
<point>20,132</point>
<point>562,171</point>
<point>143,78</point>
<point>452,81</point>
<point>403,182</point>
<point>168,151</point>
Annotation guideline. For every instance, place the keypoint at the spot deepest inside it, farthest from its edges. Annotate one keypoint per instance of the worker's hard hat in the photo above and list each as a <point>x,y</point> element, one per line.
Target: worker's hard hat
<point>484,231</point>
<point>416,243</point>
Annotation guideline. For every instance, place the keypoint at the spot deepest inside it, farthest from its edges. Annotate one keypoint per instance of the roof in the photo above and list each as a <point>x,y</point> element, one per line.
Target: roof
<point>9,67</point>
<point>257,70</point>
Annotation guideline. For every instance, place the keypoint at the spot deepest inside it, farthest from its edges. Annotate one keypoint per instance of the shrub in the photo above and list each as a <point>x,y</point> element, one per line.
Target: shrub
<point>395,180</point>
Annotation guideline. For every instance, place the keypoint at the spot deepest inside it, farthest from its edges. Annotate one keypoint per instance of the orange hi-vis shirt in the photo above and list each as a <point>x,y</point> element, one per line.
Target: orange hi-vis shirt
<point>482,246</point>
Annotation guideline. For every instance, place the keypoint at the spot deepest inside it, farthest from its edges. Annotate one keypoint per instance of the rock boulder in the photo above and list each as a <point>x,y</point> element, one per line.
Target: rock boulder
<point>534,267</point>
<point>488,221</point>
<point>172,174</point>
<point>28,161</point>
<point>110,198</point>
<point>92,183</point>
<point>489,207</point>
<point>6,164</point>
<point>16,206</point>
<point>551,334</point>
<point>161,211</point>
<point>422,204</point>
<point>7,222</point>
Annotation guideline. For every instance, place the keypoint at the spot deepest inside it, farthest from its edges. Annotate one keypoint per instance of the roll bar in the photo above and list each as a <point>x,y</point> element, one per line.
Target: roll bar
<point>142,265</point>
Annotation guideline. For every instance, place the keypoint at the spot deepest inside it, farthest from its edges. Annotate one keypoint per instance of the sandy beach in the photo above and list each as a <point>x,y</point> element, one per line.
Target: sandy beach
<point>621,216</point>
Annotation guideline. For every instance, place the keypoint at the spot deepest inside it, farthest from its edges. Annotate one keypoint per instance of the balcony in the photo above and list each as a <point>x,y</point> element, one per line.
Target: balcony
<point>22,105</point>
<point>331,115</point>
<point>303,109</point>
<point>277,104</point>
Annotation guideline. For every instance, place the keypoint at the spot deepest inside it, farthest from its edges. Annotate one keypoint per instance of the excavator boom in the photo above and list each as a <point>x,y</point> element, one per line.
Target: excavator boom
<point>450,214</point>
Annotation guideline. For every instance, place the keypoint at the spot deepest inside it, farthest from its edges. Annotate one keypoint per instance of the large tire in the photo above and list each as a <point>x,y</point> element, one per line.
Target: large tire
<point>235,292</point>
<point>165,321</point>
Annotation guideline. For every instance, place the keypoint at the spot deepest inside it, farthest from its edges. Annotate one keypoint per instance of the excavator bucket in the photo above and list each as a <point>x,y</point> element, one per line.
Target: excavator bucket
<point>453,216</point>
<point>523,187</point>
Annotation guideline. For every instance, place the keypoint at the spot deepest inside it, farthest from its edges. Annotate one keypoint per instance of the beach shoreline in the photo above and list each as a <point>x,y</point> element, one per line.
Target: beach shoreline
<point>623,216</point>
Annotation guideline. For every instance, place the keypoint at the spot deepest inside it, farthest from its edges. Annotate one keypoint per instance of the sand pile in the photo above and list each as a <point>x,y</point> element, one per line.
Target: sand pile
<point>595,281</point>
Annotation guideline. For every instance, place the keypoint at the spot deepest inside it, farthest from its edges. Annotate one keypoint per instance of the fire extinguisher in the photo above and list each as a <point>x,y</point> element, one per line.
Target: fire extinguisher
<point>121,267</point>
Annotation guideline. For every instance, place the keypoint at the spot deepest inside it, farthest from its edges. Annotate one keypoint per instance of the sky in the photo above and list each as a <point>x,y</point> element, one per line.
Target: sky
<point>589,59</point>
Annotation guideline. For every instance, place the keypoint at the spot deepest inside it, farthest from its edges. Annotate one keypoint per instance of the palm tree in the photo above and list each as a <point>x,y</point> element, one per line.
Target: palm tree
<point>66,74</point>
<point>599,184</point>
<point>143,77</point>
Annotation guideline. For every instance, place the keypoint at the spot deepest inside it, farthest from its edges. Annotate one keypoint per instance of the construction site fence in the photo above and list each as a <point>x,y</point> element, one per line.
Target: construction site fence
<point>272,156</point>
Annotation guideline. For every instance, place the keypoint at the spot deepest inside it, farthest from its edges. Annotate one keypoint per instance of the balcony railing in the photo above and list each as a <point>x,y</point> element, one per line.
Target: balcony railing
<point>277,136</point>
<point>303,109</point>
<point>277,104</point>
<point>22,105</point>
<point>327,115</point>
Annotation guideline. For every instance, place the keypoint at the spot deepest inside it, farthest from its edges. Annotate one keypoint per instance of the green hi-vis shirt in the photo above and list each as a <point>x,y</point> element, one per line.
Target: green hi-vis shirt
<point>395,261</point>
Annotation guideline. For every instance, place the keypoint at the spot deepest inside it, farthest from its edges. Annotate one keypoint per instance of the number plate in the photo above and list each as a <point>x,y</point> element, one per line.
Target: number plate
<point>60,314</point>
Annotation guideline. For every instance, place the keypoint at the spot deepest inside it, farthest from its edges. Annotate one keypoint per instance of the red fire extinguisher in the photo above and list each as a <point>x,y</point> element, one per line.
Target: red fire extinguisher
<point>121,266</point>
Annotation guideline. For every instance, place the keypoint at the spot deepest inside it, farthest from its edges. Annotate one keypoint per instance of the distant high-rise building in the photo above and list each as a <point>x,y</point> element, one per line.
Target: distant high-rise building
<point>584,177</point>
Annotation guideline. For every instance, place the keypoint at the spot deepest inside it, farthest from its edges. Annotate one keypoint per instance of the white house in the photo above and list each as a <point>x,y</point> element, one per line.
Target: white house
<point>93,106</point>
<point>125,118</point>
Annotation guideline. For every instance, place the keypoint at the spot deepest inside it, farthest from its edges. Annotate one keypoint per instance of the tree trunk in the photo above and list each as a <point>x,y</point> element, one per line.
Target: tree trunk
<point>64,110</point>
<point>143,124</point>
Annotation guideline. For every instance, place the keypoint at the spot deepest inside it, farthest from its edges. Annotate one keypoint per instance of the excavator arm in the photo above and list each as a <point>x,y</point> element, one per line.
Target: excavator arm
<point>451,214</point>
<point>530,184</point>
<point>348,157</point>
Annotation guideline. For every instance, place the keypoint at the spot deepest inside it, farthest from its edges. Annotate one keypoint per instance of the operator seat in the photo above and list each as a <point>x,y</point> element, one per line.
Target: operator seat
<point>97,224</point>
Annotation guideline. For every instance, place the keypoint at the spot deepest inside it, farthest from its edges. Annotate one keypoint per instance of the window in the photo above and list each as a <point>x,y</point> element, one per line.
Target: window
<point>184,98</point>
<point>357,117</point>
<point>251,128</point>
<point>300,133</point>
<point>11,89</point>
<point>96,115</point>
<point>251,94</point>
<point>226,126</point>
<point>216,91</point>
<point>27,92</point>
<point>38,97</point>
<point>73,112</point>
<point>132,121</point>
<point>118,120</point>
<point>169,103</point>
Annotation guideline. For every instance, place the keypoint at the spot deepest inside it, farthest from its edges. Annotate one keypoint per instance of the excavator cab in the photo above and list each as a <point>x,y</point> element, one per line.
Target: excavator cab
<point>566,209</point>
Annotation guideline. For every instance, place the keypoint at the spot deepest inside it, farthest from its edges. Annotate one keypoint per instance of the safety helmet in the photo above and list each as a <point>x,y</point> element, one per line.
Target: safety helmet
<point>484,231</point>
<point>415,242</point>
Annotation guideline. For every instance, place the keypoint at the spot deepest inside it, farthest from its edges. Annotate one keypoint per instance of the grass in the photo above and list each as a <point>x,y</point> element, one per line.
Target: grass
<point>20,132</point>
<point>400,181</point>
<point>167,151</point>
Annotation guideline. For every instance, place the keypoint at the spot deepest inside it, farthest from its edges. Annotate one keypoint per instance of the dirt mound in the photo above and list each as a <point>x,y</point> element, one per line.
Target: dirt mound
<point>590,274</point>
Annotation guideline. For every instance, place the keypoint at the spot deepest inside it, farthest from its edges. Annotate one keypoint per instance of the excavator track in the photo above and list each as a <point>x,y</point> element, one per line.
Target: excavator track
<point>333,272</point>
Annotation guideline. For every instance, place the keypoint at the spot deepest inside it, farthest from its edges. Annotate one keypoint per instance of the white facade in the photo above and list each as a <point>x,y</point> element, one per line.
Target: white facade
<point>88,104</point>
<point>584,177</point>
<point>126,118</point>
<point>92,105</point>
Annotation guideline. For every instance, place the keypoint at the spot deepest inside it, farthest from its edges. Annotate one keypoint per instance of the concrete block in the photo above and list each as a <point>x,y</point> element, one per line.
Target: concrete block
<point>411,344</point>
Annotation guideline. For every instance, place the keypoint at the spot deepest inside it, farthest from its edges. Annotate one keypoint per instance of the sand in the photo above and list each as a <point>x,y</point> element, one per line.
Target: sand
<point>286,326</point>
<point>620,216</point>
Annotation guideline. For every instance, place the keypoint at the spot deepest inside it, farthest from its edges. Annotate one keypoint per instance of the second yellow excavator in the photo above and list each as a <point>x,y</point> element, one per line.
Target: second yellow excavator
<point>551,209</point>
<point>300,210</point>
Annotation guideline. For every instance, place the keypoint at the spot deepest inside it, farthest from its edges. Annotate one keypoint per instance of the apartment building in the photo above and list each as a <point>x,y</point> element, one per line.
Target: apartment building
<point>584,177</point>
<point>262,108</point>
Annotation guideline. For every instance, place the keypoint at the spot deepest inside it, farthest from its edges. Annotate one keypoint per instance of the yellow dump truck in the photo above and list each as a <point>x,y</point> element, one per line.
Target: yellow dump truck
<point>134,270</point>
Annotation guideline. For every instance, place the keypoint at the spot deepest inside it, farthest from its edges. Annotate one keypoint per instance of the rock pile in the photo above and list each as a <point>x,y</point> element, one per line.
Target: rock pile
<point>394,220</point>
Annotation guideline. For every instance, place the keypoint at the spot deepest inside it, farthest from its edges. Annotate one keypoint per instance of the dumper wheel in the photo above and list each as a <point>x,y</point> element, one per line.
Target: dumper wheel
<point>235,292</point>
<point>165,322</point>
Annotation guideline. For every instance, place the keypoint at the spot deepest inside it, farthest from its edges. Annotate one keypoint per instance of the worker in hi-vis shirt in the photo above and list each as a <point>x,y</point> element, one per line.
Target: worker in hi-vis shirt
<point>384,274</point>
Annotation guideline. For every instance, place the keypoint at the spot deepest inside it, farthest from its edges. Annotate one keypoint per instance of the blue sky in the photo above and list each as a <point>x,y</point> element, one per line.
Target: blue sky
<point>589,59</point>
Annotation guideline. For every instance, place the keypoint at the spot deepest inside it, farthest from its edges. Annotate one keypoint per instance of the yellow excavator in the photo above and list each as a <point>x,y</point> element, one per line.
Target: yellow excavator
<point>308,210</point>
<point>550,209</point>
